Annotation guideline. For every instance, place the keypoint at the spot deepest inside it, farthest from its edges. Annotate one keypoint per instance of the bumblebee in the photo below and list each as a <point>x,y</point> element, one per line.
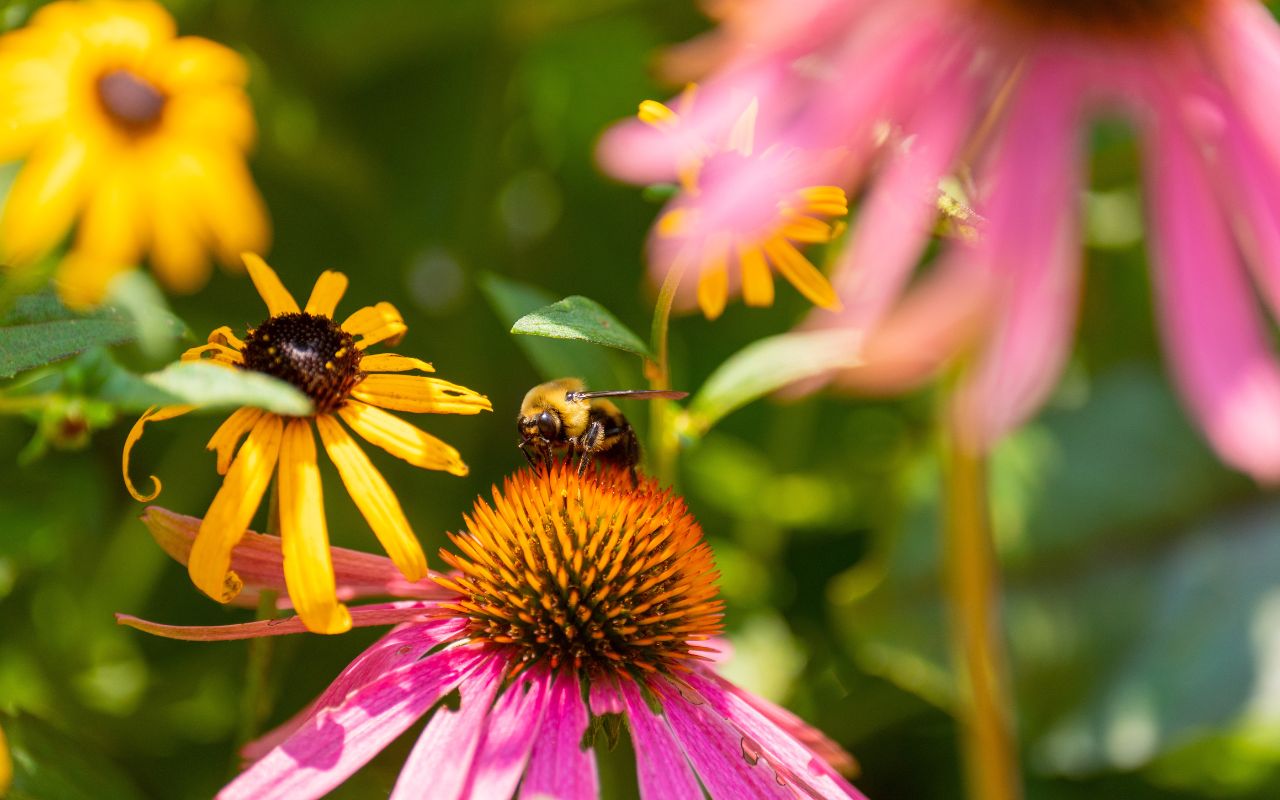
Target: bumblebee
<point>561,414</point>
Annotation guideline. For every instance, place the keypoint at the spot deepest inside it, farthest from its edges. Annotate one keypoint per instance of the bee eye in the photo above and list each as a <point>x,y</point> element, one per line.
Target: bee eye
<point>548,425</point>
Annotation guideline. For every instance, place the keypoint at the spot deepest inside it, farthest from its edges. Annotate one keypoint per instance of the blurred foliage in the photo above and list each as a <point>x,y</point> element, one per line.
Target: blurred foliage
<point>440,154</point>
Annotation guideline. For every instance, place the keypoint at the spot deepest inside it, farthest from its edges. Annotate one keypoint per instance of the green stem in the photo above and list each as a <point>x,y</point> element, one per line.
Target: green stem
<point>663,442</point>
<point>988,738</point>
<point>255,705</point>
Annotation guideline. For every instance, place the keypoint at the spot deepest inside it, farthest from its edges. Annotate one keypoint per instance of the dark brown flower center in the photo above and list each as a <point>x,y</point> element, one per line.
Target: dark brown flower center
<point>1103,16</point>
<point>594,573</point>
<point>309,351</point>
<point>131,102</point>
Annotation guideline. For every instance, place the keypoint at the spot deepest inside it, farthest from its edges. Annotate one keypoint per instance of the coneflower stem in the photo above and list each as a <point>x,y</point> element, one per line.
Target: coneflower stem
<point>663,442</point>
<point>985,706</point>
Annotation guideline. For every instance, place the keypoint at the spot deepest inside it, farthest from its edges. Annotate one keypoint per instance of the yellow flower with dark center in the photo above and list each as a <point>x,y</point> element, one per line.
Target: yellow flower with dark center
<point>763,232</point>
<point>135,132</point>
<point>346,384</point>
<point>592,573</point>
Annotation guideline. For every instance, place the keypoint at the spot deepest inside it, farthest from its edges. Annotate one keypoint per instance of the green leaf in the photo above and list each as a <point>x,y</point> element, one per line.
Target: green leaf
<point>512,300</point>
<point>210,387</point>
<point>155,325</point>
<point>39,330</point>
<point>49,764</point>
<point>583,319</point>
<point>766,366</point>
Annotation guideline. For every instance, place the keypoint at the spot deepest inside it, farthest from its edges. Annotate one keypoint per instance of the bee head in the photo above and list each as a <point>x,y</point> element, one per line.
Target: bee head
<point>545,425</point>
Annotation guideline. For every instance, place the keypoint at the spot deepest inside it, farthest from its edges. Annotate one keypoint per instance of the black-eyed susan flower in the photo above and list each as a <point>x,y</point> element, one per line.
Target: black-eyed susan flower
<point>349,388</point>
<point>736,243</point>
<point>576,597</point>
<point>137,133</point>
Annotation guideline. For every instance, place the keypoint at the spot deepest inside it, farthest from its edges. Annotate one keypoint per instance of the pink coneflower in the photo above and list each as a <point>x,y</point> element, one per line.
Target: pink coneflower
<point>575,598</point>
<point>1005,88</point>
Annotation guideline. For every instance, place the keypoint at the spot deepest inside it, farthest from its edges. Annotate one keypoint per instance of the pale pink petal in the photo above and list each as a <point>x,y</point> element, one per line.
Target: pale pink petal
<point>773,728</point>
<point>258,561</point>
<point>1244,44</point>
<point>1215,336</point>
<point>661,767</point>
<point>361,617</point>
<point>508,738</point>
<point>558,766</point>
<point>440,763</point>
<point>401,645</point>
<point>605,698</point>
<point>1031,244</point>
<point>338,741</point>
<point>726,762</point>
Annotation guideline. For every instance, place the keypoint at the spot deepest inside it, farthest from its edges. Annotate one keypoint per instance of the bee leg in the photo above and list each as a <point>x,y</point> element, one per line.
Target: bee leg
<point>588,443</point>
<point>524,448</point>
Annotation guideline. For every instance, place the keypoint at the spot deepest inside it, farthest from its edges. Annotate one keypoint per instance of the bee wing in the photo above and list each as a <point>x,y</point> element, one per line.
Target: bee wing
<point>637,394</point>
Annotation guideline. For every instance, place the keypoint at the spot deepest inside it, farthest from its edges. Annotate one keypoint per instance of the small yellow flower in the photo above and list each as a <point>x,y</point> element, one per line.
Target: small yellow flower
<point>328,362</point>
<point>709,241</point>
<point>135,132</point>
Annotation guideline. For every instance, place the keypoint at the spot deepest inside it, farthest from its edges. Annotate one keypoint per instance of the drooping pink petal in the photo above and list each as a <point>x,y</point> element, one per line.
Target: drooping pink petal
<point>402,645</point>
<point>440,763</point>
<point>1244,46</point>
<point>1031,244</point>
<point>727,763</point>
<point>1215,336</point>
<point>515,721</point>
<point>258,561</point>
<point>772,729</point>
<point>558,766</point>
<point>661,766</point>
<point>605,698</point>
<point>361,617</point>
<point>338,741</point>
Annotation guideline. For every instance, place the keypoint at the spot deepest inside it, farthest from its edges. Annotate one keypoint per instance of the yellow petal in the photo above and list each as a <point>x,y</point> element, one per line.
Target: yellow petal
<point>374,498</point>
<point>6,765</point>
<point>221,354</point>
<point>268,284</point>
<point>675,222</point>
<point>82,278</point>
<point>178,254</point>
<point>329,288</point>
<point>229,434</point>
<point>420,394</point>
<point>230,207</point>
<point>114,225</point>
<point>376,323</point>
<point>224,335</point>
<point>757,283</point>
<point>803,275</point>
<point>190,61</point>
<point>808,230</point>
<point>304,537</point>
<point>656,114</point>
<point>392,362</point>
<point>232,509</point>
<point>742,138</point>
<point>713,286</point>
<point>826,200</point>
<point>153,414</point>
<point>44,199</point>
<point>402,439</point>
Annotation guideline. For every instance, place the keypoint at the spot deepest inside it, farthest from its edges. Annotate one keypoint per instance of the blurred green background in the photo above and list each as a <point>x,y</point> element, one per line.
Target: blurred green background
<point>422,146</point>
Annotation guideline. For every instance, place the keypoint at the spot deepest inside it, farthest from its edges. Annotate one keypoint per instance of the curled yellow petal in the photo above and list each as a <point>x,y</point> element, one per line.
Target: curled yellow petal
<point>802,274</point>
<point>393,362</point>
<point>304,537</point>
<point>268,284</point>
<point>402,439</point>
<point>326,294</point>
<point>374,498</point>
<point>420,394</point>
<point>153,414</point>
<point>221,354</point>
<point>232,509</point>
<point>229,434</point>
<point>225,336</point>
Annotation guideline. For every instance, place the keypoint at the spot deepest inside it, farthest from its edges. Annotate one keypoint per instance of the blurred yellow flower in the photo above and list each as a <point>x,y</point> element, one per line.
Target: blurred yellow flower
<point>6,765</point>
<point>137,134</point>
<point>328,362</point>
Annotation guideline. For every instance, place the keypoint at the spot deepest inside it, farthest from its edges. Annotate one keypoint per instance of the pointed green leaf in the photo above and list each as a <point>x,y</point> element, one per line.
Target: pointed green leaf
<point>583,319</point>
<point>210,386</point>
<point>766,366</point>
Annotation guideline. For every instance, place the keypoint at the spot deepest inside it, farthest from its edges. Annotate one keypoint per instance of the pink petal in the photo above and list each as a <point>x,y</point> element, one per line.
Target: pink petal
<point>605,698</point>
<point>768,725</point>
<point>558,766</point>
<point>361,617</point>
<point>727,763</point>
<point>661,767</point>
<point>1031,244</point>
<point>1245,48</point>
<point>259,563</point>
<point>441,761</point>
<point>402,645</point>
<point>508,738</point>
<point>338,741</point>
<point>1212,328</point>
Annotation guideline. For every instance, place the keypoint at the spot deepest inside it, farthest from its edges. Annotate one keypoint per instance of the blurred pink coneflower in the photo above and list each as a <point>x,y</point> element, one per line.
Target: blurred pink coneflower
<point>998,94</point>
